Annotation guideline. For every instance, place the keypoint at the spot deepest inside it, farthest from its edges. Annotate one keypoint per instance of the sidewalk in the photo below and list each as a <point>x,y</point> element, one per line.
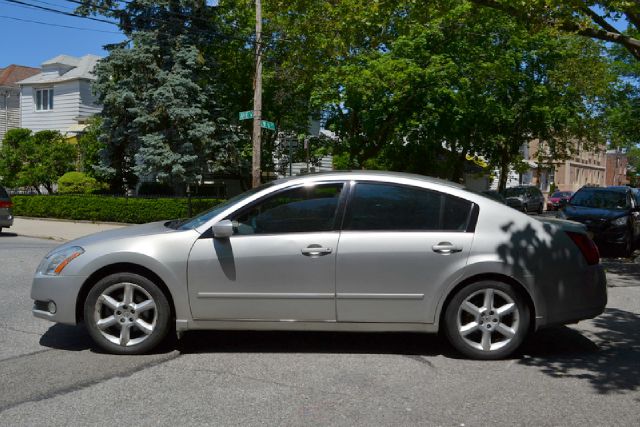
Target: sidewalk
<point>60,230</point>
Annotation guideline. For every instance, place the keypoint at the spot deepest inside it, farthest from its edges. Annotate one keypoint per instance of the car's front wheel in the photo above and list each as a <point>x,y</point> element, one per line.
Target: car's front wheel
<point>126,313</point>
<point>486,320</point>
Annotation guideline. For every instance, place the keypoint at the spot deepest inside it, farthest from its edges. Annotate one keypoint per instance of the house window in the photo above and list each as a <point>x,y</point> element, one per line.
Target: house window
<point>44,99</point>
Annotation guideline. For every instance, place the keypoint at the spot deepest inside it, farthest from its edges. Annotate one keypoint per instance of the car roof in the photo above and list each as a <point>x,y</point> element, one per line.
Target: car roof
<point>367,175</point>
<point>615,188</point>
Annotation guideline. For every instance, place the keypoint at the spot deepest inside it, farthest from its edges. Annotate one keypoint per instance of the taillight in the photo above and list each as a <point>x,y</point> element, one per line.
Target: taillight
<point>586,246</point>
<point>5,204</point>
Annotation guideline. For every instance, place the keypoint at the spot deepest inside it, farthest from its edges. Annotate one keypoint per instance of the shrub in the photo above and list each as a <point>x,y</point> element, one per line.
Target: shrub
<point>77,183</point>
<point>107,208</point>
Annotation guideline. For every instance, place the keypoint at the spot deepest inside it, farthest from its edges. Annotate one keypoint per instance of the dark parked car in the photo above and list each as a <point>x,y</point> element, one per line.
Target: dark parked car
<point>525,198</point>
<point>557,199</point>
<point>6,216</point>
<point>495,195</point>
<point>612,214</point>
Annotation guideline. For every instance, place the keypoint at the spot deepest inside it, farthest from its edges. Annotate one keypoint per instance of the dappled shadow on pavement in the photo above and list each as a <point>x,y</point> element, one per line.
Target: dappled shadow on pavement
<point>622,272</point>
<point>415,344</point>
<point>611,366</point>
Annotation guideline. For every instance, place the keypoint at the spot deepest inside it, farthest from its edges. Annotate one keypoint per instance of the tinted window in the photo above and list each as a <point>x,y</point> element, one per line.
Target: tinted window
<point>395,207</point>
<point>3,194</point>
<point>302,209</point>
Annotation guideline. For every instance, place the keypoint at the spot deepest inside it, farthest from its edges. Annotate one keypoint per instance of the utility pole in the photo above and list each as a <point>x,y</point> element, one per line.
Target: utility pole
<point>257,101</point>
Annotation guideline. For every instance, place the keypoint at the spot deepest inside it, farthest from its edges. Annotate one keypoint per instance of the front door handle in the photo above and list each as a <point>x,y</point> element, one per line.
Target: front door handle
<point>315,251</point>
<point>446,248</point>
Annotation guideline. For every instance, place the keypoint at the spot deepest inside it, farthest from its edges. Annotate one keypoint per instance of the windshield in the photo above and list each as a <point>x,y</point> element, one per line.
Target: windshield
<point>514,191</point>
<point>202,218</point>
<point>602,199</point>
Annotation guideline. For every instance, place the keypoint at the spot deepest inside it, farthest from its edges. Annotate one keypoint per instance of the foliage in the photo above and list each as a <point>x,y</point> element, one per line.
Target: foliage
<point>35,160</point>
<point>586,17</point>
<point>78,183</point>
<point>161,117</point>
<point>107,208</point>
<point>90,148</point>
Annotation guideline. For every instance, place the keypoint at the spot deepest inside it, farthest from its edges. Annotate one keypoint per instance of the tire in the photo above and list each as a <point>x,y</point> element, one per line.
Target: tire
<point>525,208</point>
<point>541,209</point>
<point>627,250</point>
<point>478,330</point>
<point>126,313</point>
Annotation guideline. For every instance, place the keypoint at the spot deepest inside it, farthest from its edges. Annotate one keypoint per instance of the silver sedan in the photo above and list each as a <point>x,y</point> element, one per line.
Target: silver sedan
<point>345,251</point>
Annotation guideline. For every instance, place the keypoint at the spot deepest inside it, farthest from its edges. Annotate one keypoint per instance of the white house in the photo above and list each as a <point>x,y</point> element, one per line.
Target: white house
<point>60,97</point>
<point>10,96</point>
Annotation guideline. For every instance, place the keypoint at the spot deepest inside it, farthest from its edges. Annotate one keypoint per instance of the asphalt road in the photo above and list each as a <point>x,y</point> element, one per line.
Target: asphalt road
<point>51,374</point>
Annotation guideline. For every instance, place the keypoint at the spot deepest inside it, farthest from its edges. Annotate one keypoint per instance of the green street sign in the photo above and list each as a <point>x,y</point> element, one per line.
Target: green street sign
<point>268,125</point>
<point>246,115</point>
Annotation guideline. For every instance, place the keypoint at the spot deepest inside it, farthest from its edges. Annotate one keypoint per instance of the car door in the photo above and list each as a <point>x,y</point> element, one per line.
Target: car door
<point>278,265</point>
<point>400,245</point>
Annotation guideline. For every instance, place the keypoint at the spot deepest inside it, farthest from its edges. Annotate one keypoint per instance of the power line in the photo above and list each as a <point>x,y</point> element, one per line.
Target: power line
<point>57,25</point>
<point>61,12</point>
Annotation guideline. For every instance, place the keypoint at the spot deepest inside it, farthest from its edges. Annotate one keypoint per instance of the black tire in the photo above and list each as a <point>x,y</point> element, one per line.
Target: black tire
<point>627,249</point>
<point>468,343</point>
<point>541,209</point>
<point>126,322</point>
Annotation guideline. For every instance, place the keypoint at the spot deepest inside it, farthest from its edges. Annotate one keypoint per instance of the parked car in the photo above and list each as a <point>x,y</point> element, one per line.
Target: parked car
<point>525,198</point>
<point>612,214</point>
<point>558,199</point>
<point>344,251</point>
<point>495,195</point>
<point>6,214</point>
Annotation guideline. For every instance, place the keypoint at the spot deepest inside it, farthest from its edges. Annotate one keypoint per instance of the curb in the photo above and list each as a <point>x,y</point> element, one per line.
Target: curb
<point>79,221</point>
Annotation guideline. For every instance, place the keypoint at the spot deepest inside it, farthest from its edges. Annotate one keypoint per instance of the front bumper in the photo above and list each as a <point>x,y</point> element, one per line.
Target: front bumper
<point>62,290</point>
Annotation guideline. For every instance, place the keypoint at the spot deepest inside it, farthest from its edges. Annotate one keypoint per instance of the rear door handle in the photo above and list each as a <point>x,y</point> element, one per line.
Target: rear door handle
<point>446,248</point>
<point>315,251</point>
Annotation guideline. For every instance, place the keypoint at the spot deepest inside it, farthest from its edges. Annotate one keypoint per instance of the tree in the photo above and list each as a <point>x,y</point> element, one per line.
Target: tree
<point>35,160</point>
<point>585,17</point>
<point>161,117</point>
<point>434,95</point>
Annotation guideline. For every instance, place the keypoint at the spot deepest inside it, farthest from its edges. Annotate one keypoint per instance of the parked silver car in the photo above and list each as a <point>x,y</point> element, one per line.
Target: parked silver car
<point>6,214</point>
<point>345,251</point>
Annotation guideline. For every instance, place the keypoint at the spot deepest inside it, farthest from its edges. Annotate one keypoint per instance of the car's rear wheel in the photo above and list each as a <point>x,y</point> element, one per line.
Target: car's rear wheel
<point>541,208</point>
<point>486,320</point>
<point>126,313</point>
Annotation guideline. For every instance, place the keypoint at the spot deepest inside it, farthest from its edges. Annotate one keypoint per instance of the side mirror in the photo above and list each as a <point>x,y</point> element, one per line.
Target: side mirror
<point>223,229</point>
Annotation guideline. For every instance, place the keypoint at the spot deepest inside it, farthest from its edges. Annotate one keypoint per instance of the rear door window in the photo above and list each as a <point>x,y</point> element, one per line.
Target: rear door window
<point>391,207</point>
<point>3,193</point>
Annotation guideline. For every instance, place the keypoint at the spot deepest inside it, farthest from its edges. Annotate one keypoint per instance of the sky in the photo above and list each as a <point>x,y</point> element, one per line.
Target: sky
<point>27,43</point>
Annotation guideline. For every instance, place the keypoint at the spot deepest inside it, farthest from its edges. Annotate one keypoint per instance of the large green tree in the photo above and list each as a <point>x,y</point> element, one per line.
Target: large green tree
<point>162,117</point>
<point>35,160</point>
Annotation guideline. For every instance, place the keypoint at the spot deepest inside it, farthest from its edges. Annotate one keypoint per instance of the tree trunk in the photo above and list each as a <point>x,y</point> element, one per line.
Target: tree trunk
<point>504,171</point>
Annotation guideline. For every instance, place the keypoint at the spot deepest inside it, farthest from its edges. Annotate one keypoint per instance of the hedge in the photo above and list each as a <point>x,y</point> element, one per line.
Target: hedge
<point>107,208</point>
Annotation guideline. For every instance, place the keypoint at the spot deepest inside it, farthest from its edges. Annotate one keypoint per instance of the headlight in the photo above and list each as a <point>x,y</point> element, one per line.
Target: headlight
<point>55,262</point>
<point>620,221</point>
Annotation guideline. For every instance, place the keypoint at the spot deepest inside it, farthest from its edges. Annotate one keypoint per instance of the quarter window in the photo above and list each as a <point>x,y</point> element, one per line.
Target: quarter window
<point>401,208</point>
<point>44,99</point>
<point>299,210</point>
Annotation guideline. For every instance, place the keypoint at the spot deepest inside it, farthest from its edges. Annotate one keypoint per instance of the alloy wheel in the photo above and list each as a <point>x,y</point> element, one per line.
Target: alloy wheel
<point>125,314</point>
<point>488,320</point>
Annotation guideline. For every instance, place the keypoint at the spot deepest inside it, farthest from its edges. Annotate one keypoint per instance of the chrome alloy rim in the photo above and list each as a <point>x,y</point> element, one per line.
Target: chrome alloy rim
<point>125,314</point>
<point>488,319</point>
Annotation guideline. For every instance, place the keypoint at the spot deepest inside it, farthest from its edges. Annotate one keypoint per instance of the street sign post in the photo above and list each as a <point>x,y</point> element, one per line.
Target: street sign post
<point>246,115</point>
<point>268,125</point>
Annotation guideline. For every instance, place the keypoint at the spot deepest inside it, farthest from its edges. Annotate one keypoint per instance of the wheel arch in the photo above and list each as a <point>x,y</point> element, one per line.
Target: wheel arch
<point>121,267</point>
<point>519,287</point>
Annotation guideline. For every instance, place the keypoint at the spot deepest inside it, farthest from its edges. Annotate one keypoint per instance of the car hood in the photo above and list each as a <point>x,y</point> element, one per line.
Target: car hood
<point>581,213</point>
<point>126,232</point>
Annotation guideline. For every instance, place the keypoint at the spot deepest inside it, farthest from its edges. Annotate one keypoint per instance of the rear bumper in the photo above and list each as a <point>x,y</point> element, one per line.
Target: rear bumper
<point>6,221</point>
<point>579,297</point>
